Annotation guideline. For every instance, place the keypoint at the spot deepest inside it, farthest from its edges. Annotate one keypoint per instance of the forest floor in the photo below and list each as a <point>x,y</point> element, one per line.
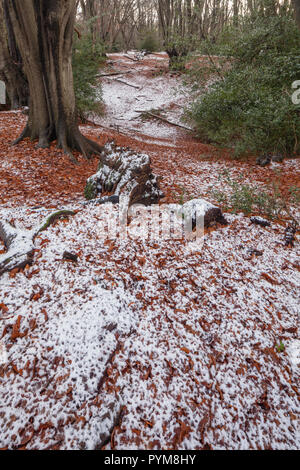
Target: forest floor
<point>146,343</point>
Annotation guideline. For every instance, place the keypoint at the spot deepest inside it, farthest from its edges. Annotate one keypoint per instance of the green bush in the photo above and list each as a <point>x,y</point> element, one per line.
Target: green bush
<point>148,42</point>
<point>249,107</point>
<point>87,59</point>
<point>242,197</point>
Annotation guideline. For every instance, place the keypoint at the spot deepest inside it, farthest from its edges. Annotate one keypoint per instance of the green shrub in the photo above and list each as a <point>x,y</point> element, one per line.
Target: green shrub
<point>249,107</point>
<point>87,59</point>
<point>249,199</point>
<point>148,42</point>
<point>116,47</point>
<point>90,190</point>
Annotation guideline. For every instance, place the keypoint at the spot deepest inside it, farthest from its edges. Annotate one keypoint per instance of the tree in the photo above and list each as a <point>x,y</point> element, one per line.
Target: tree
<point>11,63</point>
<point>296,4</point>
<point>44,33</point>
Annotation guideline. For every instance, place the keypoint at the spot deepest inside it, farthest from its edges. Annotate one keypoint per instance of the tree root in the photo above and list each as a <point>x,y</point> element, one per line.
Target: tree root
<point>67,141</point>
<point>52,218</point>
<point>20,243</point>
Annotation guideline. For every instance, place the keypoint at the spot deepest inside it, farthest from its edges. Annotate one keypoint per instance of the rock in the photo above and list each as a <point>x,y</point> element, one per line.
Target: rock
<point>260,221</point>
<point>123,171</point>
<point>277,158</point>
<point>253,252</point>
<point>290,235</point>
<point>263,160</point>
<point>70,256</point>
<point>202,209</point>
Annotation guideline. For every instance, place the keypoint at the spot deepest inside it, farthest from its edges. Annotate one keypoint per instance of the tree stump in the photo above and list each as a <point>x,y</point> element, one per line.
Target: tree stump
<point>124,172</point>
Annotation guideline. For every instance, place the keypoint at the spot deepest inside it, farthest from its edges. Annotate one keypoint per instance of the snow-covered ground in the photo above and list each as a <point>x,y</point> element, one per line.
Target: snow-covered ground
<point>146,87</point>
<point>181,342</point>
<point>147,342</point>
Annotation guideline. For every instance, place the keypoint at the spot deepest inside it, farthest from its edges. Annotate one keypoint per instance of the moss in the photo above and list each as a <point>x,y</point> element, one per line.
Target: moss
<point>90,190</point>
<point>53,217</point>
<point>100,166</point>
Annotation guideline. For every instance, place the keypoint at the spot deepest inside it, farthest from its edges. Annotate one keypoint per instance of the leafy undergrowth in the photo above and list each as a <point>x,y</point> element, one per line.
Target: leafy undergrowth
<point>145,343</point>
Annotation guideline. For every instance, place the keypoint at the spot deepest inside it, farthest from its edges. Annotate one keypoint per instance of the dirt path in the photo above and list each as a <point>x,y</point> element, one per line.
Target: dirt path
<point>145,86</point>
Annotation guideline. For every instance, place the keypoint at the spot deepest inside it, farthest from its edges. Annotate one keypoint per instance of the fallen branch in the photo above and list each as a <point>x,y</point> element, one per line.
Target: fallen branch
<point>128,84</point>
<point>52,218</point>
<point>131,58</point>
<point>19,244</point>
<point>156,116</point>
<point>112,74</point>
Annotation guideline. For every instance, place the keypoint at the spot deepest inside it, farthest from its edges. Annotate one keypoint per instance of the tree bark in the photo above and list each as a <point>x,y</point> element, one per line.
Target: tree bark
<point>11,64</point>
<point>44,35</point>
<point>296,5</point>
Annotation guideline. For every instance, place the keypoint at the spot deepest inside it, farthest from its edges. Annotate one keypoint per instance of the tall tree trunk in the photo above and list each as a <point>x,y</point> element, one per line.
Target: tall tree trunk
<point>11,64</point>
<point>44,34</point>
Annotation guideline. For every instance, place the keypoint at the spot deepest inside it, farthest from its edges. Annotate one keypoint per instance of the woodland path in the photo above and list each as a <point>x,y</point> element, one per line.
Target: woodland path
<point>148,344</point>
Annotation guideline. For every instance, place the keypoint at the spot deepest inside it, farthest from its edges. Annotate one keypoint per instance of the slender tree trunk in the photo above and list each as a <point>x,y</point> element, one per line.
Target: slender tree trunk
<point>296,4</point>
<point>44,34</point>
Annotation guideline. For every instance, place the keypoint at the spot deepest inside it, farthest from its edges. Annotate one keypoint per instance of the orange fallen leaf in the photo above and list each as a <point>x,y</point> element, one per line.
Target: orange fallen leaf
<point>4,308</point>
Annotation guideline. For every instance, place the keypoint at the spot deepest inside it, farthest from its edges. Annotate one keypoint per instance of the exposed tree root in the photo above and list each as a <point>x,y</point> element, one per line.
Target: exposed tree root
<point>68,143</point>
<point>52,218</point>
<point>20,243</point>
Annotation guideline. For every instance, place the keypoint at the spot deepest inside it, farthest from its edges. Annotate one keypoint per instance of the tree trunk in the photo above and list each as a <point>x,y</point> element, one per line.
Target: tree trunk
<point>296,5</point>
<point>44,34</point>
<point>11,64</point>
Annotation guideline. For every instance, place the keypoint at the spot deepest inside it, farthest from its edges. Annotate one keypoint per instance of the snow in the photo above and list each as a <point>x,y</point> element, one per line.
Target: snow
<point>196,334</point>
<point>294,353</point>
<point>125,103</point>
<point>149,341</point>
<point>3,353</point>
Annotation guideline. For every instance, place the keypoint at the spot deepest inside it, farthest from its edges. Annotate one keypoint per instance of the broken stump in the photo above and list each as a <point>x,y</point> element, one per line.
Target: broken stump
<point>123,171</point>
